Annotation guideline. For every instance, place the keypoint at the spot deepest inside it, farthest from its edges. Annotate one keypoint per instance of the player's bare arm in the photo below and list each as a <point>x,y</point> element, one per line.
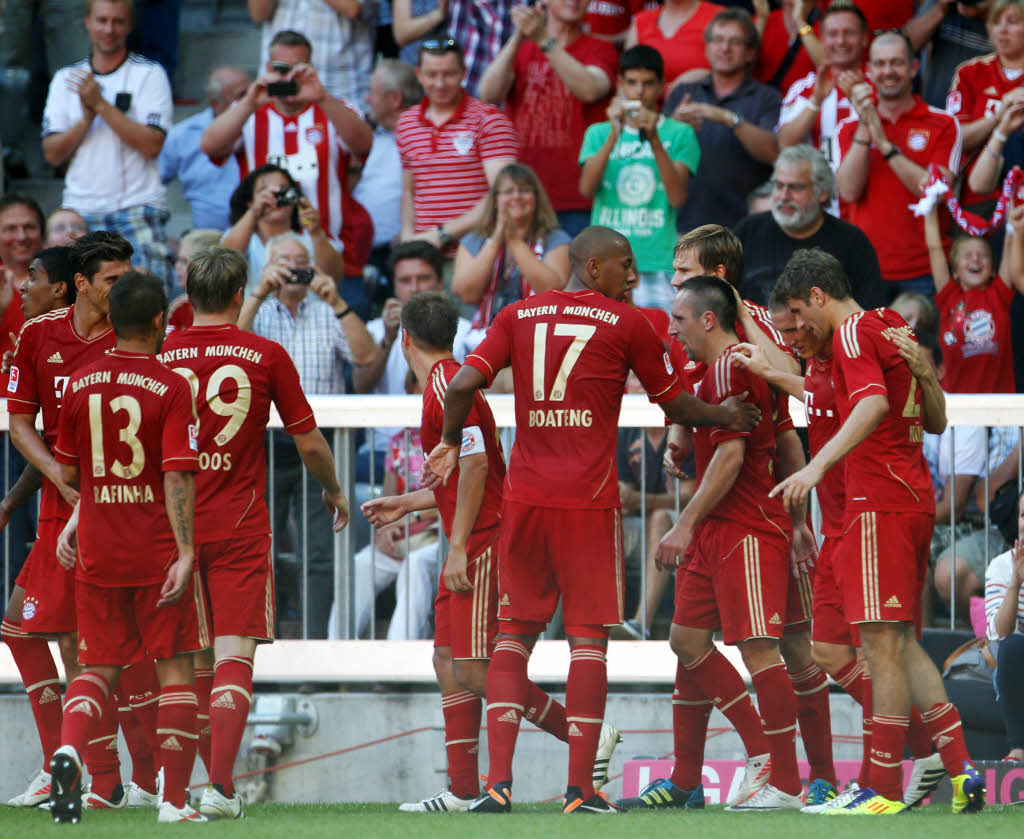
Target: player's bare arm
<point>33,447</point>
<point>733,413</point>
<point>180,502</point>
<point>67,542</point>
<point>767,364</point>
<point>933,400</point>
<point>469,497</point>
<point>782,361</point>
<point>390,508</point>
<point>458,402</point>
<point>28,483</point>
<point>863,419</point>
<point>804,548</point>
<point>317,457</point>
<point>677,450</point>
<point>721,474</point>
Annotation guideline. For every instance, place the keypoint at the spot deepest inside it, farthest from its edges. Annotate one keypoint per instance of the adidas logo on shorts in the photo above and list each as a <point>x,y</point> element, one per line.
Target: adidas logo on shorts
<point>81,645</point>
<point>224,701</point>
<point>893,603</point>
<point>574,730</point>
<point>48,695</point>
<point>775,619</point>
<point>504,600</point>
<point>171,743</point>
<point>509,716</point>
<point>55,359</point>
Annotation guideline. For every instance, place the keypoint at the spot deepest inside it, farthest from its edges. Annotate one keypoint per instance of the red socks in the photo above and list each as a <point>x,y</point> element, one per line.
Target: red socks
<point>848,678</point>
<point>777,703</point>
<point>176,730</point>
<point>586,692</point>
<point>139,744</point>
<point>230,698</point>
<point>507,692</point>
<point>101,752</point>
<point>462,713</point>
<point>716,677</point>
<point>545,713</point>
<point>139,689</point>
<point>866,706</point>
<point>943,724</point>
<point>919,738</point>
<point>204,684</point>
<point>888,739</point>
<point>691,710</point>
<point>39,674</point>
<point>814,715</point>
<point>86,697</point>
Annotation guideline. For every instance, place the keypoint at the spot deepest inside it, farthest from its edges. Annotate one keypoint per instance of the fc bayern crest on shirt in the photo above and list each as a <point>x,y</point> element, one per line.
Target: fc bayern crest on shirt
<point>314,135</point>
<point>917,139</point>
<point>463,142</point>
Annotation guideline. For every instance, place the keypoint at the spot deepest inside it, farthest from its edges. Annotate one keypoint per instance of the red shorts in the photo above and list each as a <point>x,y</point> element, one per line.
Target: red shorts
<point>881,589</point>
<point>49,588</point>
<point>830,625</point>
<point>737,582</point>
<point>22,578</point>
<point>799,602</point>
<point>115,625</point>
<point>467,621</point>
<point>547,552</point>
<point>239,583</point>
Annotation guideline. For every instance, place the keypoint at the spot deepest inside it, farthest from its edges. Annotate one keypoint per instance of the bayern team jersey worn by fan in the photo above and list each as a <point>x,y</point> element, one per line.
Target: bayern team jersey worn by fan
<point>479,435</point>
<point>126,420</point>
<point>822,425</point>
<point>747,502</point>
<point>570,354</point>
<point>888,470</point>
<point>234,376</point>
<point>48,354</point>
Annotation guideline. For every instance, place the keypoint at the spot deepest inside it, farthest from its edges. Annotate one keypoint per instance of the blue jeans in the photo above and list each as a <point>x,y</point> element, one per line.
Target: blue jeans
<point>1009,680</point>
<point>573,221</point>
<point>922,285</point>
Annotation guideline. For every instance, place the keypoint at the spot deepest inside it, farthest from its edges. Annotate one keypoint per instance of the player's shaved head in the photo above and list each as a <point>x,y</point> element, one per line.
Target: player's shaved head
<point>431,318</point>
<point>136,300</point>
<point>711,294</point>
<point>595,243</point>
<point>214,277</point>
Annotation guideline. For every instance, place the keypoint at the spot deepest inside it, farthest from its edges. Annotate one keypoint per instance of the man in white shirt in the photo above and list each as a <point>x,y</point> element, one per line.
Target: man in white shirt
<point>106,117</point>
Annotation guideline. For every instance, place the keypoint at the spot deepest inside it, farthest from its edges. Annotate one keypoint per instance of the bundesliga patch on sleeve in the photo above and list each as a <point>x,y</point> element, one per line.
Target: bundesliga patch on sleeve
<point>472,441</point>
<point>668,364</point>
<point>193,438</point>
<point>12,382</point>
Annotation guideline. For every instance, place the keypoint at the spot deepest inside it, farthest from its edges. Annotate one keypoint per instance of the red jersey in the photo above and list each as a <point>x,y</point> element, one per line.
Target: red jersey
<point>612,17</point>
<point>685,49</point>
<point>550,120</point>
<point>235,375</point>
<point>884,15</point>
<point>924,135</point>
<point>974,326</point>
<point>570,354</point>
<point>129,419</point>
<point>834,109</point>
<point>49,352</point>
<point>774,46</point>
<point>747,502</point>
<point>822,425</point>
<point>479,434</point>
<point>179,314</point>
<point>888,470</point>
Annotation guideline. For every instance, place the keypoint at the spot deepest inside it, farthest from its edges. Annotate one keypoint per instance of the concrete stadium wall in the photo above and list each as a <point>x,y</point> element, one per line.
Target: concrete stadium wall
<point>413,767</point>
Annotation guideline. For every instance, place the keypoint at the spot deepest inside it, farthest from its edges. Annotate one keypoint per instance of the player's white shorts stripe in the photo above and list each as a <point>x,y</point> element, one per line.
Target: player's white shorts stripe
<point>869,566</point>
<point>619,569</point>
<point>752,571</point>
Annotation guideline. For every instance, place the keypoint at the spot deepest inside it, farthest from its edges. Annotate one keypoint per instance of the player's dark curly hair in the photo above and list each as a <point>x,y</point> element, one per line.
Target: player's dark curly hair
<point>431,318</point>
<point>242,197</point>
<point>88,251</point>
<point>57,263</point>
<point>810,268</point>
<point>135,300</point>
<point>715,295</point>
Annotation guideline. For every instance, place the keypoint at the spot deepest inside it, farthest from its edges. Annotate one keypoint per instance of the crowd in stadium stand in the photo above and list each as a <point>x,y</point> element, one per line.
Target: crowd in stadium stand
<point>383,149</point>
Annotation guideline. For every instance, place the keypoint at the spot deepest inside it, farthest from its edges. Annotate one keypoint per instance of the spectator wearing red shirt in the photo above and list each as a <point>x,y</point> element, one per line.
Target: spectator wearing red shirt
<point>790,48</point>
<point>555,82</point>
<point>452,148</point>
<point>676,30</point>
<point>885,150</point>
<point>974,307</point>
<point>609,20</point>
<point>985,87</point>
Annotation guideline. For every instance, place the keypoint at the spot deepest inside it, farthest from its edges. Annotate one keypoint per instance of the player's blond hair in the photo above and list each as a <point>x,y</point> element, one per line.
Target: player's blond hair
<point>714,245</point>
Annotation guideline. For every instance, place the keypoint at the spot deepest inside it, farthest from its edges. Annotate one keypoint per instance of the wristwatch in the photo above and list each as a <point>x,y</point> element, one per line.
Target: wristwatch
<point>444,236</point>
<point>736,120</point>
<point>895,150</point>
<point>548,44</point>
<point>805,30</point>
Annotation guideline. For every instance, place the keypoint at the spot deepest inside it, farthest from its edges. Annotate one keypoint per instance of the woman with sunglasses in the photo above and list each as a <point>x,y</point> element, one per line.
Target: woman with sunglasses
<point>517,250</point>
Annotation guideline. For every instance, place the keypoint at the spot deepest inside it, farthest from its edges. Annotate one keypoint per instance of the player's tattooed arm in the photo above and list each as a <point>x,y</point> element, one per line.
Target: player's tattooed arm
<point>30,480</point>
<point>179,501</point>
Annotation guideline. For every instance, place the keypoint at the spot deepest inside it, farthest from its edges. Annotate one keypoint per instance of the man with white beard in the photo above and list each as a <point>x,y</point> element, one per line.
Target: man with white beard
<point>802,186</point>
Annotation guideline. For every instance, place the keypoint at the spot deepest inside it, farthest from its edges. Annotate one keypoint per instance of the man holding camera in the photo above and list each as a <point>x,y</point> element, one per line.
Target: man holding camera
<point>288,118</point>
<point>106,117</point>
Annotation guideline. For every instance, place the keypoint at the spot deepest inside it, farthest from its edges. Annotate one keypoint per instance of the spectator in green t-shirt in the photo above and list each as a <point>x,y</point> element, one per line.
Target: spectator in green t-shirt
<point>637,167</point>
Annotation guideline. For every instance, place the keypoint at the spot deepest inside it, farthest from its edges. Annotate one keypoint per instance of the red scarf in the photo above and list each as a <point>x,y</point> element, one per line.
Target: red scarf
<point>970,223</point>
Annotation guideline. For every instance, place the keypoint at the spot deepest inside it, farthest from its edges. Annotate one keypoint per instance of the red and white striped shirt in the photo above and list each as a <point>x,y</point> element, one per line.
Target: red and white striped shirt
<point>834,109</point>
<point>309,147</point>
<point>447,162</point>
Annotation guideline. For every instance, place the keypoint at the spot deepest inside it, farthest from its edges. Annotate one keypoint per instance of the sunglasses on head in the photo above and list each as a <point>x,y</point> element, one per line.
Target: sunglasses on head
<point>442,46</point>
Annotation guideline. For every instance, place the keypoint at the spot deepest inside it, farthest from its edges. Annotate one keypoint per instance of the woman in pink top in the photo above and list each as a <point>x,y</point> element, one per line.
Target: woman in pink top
<point>676,30</point>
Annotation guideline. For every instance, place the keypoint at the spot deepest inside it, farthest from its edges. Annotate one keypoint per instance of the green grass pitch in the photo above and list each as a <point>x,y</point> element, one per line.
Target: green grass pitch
<point>543,821</point>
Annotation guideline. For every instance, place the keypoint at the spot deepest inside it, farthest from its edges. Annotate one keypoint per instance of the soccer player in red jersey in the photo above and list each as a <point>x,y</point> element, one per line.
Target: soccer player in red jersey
<point>888,520</point>
<point>736,577</point>
<point>235,376</point>
<point>466,607</point>
<point>133,422</point>
<point>51,348</point>
<point>570,353</point>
